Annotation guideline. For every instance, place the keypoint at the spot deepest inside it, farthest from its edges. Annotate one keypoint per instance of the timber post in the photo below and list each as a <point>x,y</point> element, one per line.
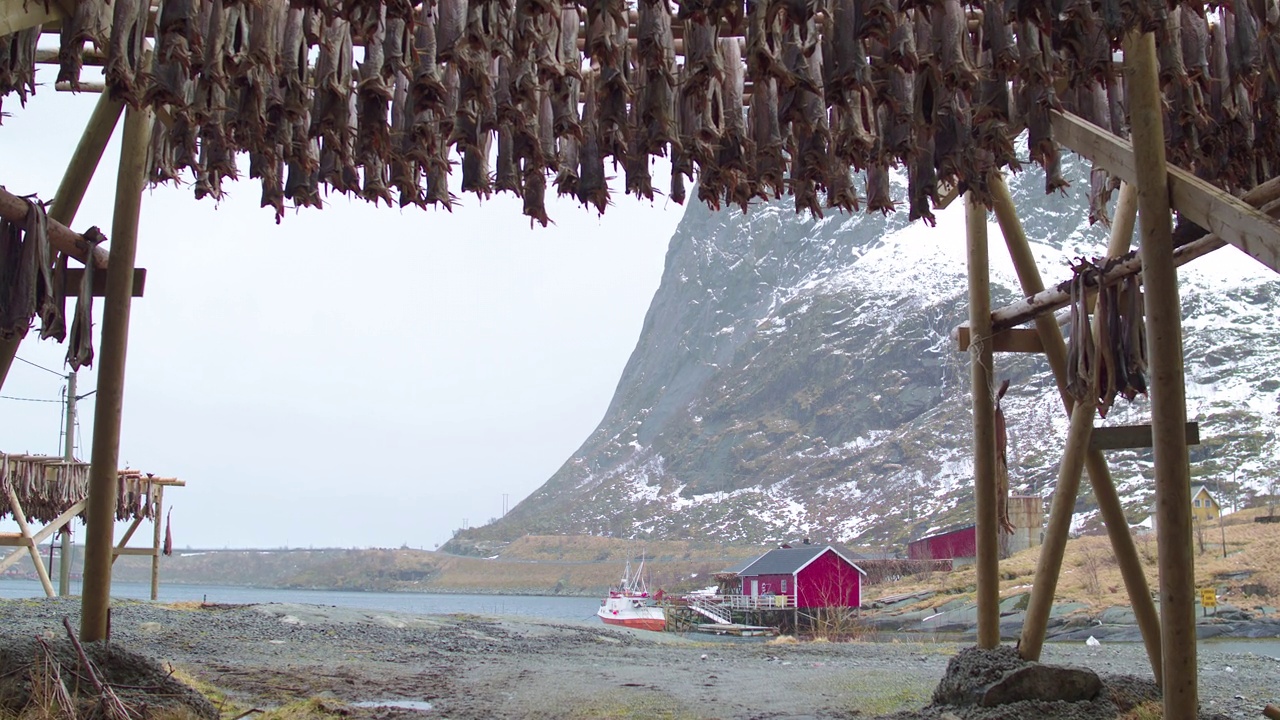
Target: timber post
<point>8,351</point>
<point>1055,351</point>
<point>130,181</point>
<point>1167,384</point>
<point>157,513</point>
<point>1049,566</point>
<point>981,360</point>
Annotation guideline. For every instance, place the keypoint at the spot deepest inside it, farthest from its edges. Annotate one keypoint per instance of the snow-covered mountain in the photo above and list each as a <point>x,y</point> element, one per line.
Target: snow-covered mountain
<point>798,377</point>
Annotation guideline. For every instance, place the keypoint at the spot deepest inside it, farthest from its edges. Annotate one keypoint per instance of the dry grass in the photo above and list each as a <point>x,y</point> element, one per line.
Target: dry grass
<point>584,565</point>
<point>1091,576</point>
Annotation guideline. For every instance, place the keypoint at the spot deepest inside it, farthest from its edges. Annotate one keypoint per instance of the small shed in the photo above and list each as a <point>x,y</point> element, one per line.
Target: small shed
<point>956,544</point>
<point>811,576</point>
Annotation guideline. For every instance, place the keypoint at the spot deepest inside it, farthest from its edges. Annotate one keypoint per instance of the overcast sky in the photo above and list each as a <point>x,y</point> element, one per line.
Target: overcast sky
<point>352,377</point>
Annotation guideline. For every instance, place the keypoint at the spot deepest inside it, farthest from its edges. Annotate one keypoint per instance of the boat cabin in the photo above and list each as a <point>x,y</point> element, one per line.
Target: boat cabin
<point>810,576</point>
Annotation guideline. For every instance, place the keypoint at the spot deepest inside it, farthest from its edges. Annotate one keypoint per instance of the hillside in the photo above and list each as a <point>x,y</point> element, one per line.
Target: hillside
<point>1247,575</point>
<point>797,376</point>
<point>533,565</point>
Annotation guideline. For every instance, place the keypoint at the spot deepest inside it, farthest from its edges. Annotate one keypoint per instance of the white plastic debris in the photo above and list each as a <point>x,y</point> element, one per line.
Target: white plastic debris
<point>1092,641</point>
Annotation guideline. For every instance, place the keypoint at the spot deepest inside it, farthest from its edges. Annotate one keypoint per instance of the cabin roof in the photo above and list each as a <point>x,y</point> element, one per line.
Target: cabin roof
<point>789,561</point>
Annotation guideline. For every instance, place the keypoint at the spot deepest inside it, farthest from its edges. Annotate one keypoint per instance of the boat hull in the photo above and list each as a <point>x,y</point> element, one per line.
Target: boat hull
<point>637,623</point>
<point>633,612</point>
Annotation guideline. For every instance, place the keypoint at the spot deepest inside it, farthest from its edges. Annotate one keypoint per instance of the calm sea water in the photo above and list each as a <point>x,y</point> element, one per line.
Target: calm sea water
<point>534,606</point>
<point>552,608</point>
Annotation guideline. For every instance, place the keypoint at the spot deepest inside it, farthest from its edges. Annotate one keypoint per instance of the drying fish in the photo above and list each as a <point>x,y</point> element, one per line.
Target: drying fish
<point>1133,330</point>
<point>592,186</point>
<point>90,22</point>
<point>507,171</point>
<point>1242,41</point>
<point>125,48</point>
<point>764,43</point>
<point>1169,47</point>
<point>475,167</point>
<point>922,179</point>
<point>766,135</point>
<point>427,91</point>
<point>160,156</point>
<point>80,340</point>
<point>950,38</point>
<point>1081,351</point>
<point>1109,360</point>
<point>1002,463</point>
<point>997,37</point>
<point>845,54</point>
<point>902,51</point>
<point>451,24</point>
<point>330,109</point>
<point>879,196</point>
<point>1195,43</point>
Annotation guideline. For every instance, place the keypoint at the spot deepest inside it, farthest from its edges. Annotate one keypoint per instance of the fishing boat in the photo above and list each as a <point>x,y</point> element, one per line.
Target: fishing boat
<point>630,605</point>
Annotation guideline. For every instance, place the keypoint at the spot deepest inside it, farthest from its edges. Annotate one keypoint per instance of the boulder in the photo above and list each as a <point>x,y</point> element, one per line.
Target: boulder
<point>1043,682</point>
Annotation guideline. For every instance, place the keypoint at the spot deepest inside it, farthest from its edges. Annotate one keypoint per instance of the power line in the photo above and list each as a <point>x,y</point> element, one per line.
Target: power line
<point>41,400</point>
<point>54,372</point>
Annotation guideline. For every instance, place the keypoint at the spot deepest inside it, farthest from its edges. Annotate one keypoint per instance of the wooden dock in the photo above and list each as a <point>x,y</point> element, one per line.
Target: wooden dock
<point>735,629</point>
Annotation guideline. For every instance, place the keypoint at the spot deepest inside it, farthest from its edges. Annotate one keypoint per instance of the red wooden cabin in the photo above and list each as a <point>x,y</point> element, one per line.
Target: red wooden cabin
<point>811,576</point>
<point>950,545</point>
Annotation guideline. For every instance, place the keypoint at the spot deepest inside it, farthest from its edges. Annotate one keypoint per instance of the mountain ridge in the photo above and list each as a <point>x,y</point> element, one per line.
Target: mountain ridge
<point>797,376</point>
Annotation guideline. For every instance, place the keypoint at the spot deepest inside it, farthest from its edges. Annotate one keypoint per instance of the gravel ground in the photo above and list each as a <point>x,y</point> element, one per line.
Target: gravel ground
<point>469,666</point>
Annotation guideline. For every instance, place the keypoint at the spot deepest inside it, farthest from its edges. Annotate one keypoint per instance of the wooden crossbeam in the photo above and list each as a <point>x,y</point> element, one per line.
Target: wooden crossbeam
<point>133,551</point>
<point>1266,197</point>
<point>62,238</point>
<point>1020,340</point>
<point>76,275</point>
<point>1216,210</point>
<point>19,15</point>
<point>1128,437</point>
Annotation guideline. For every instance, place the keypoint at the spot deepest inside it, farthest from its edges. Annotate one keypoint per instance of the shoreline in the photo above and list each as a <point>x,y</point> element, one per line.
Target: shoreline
<point>477,666</point>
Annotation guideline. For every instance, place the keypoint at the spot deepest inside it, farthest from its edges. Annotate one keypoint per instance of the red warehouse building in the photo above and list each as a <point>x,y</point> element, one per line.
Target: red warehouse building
<point>958,544</point>
<point>808,577</point>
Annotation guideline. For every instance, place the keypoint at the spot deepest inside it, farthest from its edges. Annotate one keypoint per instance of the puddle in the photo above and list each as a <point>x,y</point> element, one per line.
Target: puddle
<point>401,704</point>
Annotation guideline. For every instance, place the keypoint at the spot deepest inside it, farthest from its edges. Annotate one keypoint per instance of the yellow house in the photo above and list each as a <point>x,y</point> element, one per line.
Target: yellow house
<point>1203,506</point>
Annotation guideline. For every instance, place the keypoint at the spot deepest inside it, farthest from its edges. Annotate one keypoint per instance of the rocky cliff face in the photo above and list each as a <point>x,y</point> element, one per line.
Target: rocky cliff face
<point>798,377</point>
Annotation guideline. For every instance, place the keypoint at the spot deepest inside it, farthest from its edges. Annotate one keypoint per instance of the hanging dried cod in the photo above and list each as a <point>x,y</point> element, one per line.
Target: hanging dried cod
<point>1002,462</point>
<point>125,49</point>
<point>80,341</point>
<point>1081,351</point>
<point>18,64</point>
<point>90,22</point>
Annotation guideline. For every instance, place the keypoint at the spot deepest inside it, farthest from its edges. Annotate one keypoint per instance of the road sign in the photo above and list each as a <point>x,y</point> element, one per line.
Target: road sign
<point>1209,597</point>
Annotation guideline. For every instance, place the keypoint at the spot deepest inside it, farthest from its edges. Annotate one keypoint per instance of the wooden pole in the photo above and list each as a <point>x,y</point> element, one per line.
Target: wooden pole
<point>156,517</point>
<point>1167,384</point>
<point>1055,350</point>
<point>21,517</point>
<point>1056,532</point>
<point>44,532</point>
<point>8,351</point>
<point>981,359</point>
<point>61,237</point>
<point>130,181</point>
<point>1124,220</point>
<point>75,181</point>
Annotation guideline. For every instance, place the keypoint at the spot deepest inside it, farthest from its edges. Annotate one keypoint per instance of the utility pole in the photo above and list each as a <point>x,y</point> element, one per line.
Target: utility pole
<point>68,454</point>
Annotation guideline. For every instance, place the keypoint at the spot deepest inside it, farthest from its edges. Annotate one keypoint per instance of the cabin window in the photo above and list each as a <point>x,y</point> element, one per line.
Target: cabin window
<point>1197,502</point>
<point>783,585</point>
